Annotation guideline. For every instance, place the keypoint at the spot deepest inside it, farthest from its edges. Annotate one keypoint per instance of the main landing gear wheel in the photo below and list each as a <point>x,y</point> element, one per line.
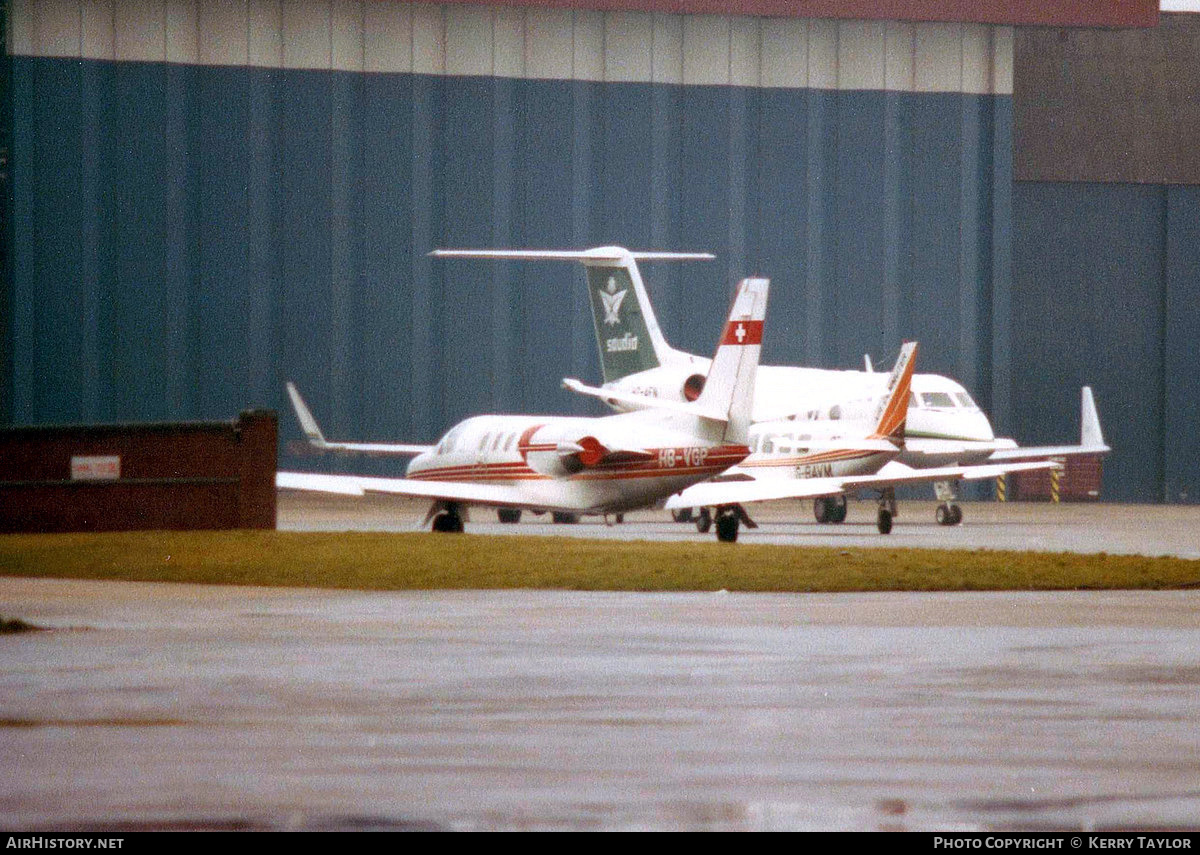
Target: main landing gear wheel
<point>830,509</point>
<point>884,521</point>
<point>728,520</point>
<point>564,518</point>
<point>509,515</point>
<point>448,521</point>
<point>703,521</point>
<point>948,514</point>
<point>682,515</point>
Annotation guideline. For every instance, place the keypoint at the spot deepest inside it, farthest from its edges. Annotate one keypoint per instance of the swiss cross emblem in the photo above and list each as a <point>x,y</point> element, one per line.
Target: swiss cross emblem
<point>740,334</point>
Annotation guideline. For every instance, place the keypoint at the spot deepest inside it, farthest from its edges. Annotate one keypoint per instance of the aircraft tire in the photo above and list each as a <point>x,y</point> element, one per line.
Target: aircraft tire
<point>703,521</point>
<point>948,514</point>
<point>509,515</point>
<point>884,521</point>
<point>727,527</point>
<point>448,523</point>
<point>564,518</point>
<point>821,510</point>
<point>682,515</point>
<point>838,511</point>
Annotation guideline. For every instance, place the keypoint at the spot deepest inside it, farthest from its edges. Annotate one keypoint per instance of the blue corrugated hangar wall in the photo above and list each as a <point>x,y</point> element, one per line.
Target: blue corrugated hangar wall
<point>1106,244</point>
<point>212,198</point>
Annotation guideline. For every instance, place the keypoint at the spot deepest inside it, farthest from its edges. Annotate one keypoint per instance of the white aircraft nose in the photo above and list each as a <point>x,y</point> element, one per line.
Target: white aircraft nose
<point>977,427</point>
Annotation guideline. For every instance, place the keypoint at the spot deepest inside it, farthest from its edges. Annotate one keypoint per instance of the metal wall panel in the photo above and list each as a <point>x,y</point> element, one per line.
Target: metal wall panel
<point>1059,13</point>
<point>1181,363</point>
<point>291,201</point>
<point>281,231</point>
<point>1105,294</point>
<point>1099,105</point>
<point>534,42</point>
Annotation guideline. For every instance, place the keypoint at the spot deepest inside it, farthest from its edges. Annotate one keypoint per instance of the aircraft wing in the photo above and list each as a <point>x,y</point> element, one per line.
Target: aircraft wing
<point>1091,438</point>
<point>893,474</point>
<point>711,493</point>
<point>491,495</point>
<point>317,440</point>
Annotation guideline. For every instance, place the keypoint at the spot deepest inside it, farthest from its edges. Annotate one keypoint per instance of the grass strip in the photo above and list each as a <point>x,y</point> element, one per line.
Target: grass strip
<point>420,561</point>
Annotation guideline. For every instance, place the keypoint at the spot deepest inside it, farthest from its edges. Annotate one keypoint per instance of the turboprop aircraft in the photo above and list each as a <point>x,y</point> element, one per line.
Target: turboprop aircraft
<point>824,460</point>
<point>599,465</point>
<point>945,428</point>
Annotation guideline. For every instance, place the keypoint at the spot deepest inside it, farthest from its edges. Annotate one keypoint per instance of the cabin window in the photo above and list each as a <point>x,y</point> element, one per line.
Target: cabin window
<point>965,400</point>
<point>914,402</point>
<point>451,440</point>
<point>937,399</point>
<point>768,445</point>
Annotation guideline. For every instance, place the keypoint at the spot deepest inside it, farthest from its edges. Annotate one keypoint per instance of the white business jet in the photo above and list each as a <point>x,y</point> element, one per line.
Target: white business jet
<point>603,465</point>
<point>824,460</point>
<point>945,428</point>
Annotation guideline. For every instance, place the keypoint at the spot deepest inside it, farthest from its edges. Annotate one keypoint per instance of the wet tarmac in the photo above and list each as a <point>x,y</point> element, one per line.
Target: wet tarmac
<point>1021,526</point>
<point>152,705</point>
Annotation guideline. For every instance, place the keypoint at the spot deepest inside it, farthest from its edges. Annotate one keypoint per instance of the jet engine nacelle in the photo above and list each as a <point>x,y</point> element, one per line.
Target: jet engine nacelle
<point>565,457</point>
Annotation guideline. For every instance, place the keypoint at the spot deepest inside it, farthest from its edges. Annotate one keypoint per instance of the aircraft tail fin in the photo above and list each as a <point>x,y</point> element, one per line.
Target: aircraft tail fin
<point>627,331</point>
<point>729,390</point>
<point>892,413</point>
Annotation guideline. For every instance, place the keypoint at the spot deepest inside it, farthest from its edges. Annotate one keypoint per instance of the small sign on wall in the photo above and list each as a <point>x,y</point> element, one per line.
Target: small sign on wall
<point>105,467</point>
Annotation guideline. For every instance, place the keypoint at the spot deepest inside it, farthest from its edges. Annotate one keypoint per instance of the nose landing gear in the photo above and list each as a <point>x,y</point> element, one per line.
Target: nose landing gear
<point>947,513</point>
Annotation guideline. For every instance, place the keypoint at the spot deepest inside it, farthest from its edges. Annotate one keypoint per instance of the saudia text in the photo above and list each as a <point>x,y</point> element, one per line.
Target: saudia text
<point>621,344</point>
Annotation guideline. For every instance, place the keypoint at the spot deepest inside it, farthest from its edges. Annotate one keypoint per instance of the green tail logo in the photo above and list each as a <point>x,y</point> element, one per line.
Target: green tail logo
<point>621,333</point>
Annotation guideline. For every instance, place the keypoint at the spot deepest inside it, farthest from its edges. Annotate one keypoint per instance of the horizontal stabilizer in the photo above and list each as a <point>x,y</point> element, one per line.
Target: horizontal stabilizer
<point>603,254</point>
<point>641,402</point>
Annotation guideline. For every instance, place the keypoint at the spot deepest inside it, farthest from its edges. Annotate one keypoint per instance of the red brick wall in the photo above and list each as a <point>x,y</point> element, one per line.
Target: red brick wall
<point>212,475</point>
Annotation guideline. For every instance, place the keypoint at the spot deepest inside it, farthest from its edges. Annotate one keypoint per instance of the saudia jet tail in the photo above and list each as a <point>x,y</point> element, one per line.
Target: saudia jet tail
<point>627,331</point>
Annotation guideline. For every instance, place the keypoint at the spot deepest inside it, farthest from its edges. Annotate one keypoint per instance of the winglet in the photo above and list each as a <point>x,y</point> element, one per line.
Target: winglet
<point>1090,434</point>
<point>311,429</point>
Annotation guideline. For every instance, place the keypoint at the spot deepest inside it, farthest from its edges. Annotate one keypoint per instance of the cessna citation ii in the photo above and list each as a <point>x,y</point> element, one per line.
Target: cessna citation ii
<point>601,465</point>
<point>824,460</point>
<point>944,429</point>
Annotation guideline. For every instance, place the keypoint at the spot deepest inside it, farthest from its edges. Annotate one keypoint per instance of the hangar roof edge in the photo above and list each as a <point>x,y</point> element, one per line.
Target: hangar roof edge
<point>1058,13</point>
